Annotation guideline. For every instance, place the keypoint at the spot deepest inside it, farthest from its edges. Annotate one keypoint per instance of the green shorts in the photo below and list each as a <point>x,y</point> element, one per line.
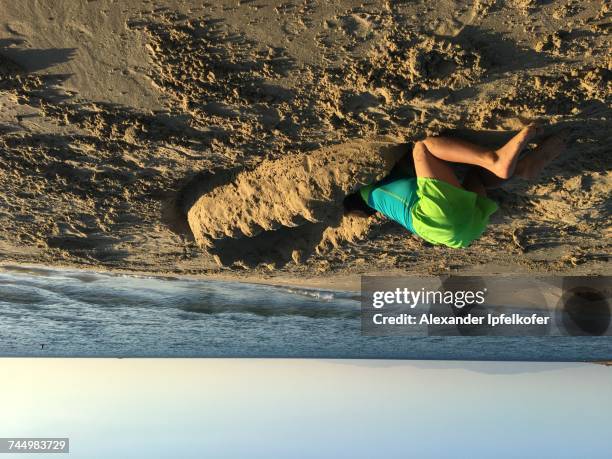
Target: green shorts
<point>445,214</point>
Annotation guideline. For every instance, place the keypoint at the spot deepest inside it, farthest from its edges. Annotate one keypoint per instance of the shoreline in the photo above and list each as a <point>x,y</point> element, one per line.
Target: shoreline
<point>348,284</point>
<point>339,282</point>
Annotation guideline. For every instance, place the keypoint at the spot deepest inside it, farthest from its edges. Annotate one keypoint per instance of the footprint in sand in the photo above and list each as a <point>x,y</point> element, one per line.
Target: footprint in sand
<point>356,25</point>
<point>463,15</point>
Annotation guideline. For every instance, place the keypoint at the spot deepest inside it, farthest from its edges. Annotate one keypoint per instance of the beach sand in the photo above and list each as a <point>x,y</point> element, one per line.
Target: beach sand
<point>218,139</point>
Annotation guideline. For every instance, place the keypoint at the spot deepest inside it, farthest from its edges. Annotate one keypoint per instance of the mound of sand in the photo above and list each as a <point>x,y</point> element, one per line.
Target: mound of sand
<point>303,192</point>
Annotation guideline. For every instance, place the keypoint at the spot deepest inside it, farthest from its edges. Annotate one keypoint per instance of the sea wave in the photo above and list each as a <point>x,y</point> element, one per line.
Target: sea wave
<point>29,286</point>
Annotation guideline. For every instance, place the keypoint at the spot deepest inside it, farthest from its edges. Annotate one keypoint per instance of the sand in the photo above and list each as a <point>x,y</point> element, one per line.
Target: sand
<point>177,137</point>
<point>286,210</point>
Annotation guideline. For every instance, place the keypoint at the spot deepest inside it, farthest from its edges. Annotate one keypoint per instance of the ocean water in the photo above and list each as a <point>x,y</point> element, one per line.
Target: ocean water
<point>45,312</point>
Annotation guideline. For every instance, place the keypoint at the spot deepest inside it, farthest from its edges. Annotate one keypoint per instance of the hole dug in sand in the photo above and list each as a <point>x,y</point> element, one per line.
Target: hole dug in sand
<point>290,208</point>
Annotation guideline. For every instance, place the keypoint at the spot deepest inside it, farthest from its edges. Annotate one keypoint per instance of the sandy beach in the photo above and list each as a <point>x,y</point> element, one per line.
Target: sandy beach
<point>219,139</point>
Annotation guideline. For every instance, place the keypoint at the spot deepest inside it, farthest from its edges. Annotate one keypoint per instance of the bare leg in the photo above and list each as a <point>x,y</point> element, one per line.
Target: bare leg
<point>532,165</point>
<point>490,180</point>
<point>427,165</point>
<point>500,162</point>
<point>528,167</point>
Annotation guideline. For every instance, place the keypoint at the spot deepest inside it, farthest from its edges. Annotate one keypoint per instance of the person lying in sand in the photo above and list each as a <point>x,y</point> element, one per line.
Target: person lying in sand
<point>433,204</point>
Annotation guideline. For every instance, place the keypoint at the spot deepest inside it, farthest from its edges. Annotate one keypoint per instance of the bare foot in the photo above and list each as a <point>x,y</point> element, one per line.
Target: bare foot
<point>506,156</point>
<point>551,147</point>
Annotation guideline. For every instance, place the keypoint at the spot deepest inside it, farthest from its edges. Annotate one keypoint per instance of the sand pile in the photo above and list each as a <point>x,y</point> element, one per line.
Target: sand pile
<point>302,192</point>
